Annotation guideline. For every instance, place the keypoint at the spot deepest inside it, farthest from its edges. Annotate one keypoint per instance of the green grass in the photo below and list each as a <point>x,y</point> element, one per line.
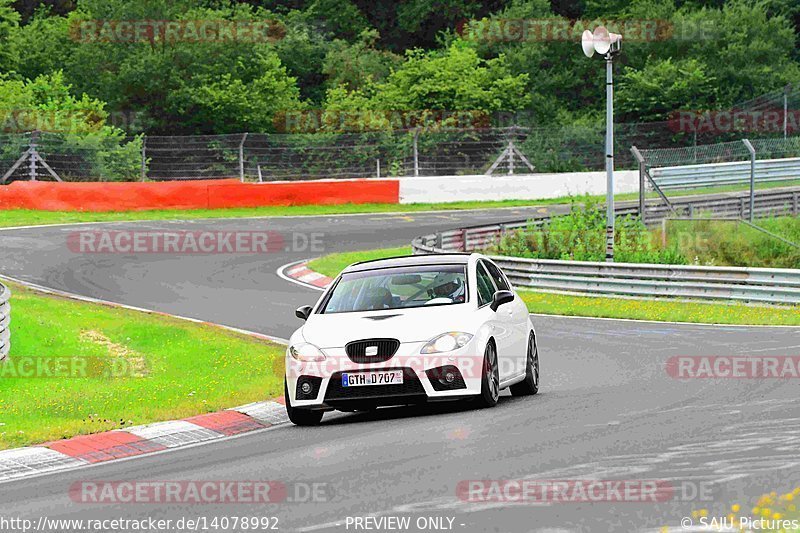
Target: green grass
<point>332,264</point>
<point>25,217</point>
<point>659,310</point>
<point>183,369</point>
<point>716,242</point>
<point>605,307</point>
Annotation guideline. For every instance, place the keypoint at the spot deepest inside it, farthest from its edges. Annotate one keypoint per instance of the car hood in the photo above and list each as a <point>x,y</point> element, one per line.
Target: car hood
<point>406,325</point>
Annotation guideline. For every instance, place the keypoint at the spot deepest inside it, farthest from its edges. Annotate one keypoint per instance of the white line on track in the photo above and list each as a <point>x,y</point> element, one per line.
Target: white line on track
<point>146,455</point>
<point>72,296</point>
<point>281,272</point>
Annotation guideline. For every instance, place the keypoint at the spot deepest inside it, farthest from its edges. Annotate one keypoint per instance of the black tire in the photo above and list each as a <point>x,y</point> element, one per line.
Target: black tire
<point>530,385</point>
<point>301,417</point>
<point>490,378</point>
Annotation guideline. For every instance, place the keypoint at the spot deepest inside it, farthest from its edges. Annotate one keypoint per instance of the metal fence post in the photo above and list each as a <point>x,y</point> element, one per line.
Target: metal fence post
<point>785,108</point>
<point>795,207</point>
<point>378,167</point>
<point>144,157</point>
<point>640,159</point>
<point>416,153</point>
<point>241,158</point>
<point>752,151</point>
<point>32,166</point>
<point>510,158</point>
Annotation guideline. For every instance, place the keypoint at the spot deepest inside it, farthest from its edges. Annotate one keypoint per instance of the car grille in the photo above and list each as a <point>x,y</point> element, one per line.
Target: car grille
<point>357,350</point>
<point>411,386</point>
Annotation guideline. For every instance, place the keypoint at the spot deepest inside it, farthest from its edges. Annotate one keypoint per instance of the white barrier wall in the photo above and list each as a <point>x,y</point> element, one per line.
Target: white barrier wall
<point>514,187</point>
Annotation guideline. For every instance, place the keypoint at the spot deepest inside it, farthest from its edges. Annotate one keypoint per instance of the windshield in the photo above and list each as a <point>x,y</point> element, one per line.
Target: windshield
<point>398,288</point>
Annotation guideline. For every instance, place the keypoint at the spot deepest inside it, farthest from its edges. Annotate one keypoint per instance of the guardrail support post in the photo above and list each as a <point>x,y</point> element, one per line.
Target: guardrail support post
<point>464,240</point>
<point>795,207</point>
<point>439,244</point>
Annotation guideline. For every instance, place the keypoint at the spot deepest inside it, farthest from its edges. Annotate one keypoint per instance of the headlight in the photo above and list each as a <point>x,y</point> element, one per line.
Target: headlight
<point>306,353</point>
<point>447,342</point>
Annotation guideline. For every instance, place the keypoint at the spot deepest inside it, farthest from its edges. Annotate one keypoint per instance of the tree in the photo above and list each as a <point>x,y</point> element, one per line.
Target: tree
<point>184,82</point>
<point>44,43</point>
<point>76,125</point>
<point>455,79</point>
<point>9,24</point>
<point>746,51</point>
<point>664,86</point>
<point>355,65</point>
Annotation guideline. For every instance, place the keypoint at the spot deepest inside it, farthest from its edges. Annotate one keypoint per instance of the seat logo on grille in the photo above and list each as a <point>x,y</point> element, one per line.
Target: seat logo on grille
<point>371,351</point>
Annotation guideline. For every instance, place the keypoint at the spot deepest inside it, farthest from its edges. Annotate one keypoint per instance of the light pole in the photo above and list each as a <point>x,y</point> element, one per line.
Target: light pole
<point>606,44</point>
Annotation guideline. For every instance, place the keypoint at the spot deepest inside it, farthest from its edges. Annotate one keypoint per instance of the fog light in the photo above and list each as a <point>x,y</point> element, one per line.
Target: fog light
<point>449,377</point>
<point>305,387</point>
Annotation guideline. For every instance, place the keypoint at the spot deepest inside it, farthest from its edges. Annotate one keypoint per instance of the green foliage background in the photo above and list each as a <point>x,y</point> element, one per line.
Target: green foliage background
<point>407,55</point>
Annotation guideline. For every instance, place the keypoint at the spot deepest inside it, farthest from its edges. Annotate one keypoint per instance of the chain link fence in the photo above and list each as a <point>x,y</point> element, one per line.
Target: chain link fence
<point>300,156</point>
<point>747,164</point>
<point>396,153</point>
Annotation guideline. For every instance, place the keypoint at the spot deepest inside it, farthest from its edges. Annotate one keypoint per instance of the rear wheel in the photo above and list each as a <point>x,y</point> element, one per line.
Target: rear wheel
<point>490,378</point>
<point>300,417</point>
<point>530,385</point>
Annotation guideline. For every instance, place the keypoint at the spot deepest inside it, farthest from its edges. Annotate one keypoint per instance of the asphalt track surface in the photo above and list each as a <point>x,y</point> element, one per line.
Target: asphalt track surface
<point>607,408</point>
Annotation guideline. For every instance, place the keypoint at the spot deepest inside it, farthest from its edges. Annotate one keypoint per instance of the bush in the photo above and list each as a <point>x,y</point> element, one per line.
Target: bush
<point>580,236</point>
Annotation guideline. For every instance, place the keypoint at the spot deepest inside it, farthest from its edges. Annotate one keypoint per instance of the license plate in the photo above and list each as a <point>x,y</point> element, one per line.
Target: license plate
<point>362,379</point>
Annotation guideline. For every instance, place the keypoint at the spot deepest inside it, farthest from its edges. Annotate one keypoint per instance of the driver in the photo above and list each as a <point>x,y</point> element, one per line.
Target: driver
<point>448,285</point>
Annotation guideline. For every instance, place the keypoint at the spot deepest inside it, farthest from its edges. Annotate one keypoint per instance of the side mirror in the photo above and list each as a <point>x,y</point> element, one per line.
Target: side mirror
<point>500,298</point>
<point>303,312</point>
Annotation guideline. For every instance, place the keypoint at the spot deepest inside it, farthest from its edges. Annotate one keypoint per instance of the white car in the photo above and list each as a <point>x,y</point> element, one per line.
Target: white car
<point>409,330</point>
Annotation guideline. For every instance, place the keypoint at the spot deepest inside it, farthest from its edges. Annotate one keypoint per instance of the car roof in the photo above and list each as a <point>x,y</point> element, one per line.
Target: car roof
<point>412,260</point>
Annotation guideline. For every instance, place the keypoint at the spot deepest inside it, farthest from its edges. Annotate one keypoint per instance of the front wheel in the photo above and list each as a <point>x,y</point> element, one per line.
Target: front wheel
<point>490,378</point>
<point>300,417</point>
<point>530,385</point>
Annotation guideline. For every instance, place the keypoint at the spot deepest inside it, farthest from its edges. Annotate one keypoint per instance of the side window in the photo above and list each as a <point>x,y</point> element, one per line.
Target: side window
<point>497,276</point>
<point>485,288</point>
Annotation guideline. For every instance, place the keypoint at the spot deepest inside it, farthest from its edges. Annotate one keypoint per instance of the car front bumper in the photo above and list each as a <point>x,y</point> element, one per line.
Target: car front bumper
<point>424,378</point>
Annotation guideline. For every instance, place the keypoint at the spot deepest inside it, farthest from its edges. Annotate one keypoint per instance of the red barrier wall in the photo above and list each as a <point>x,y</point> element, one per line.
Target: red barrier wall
<point>214,194</point>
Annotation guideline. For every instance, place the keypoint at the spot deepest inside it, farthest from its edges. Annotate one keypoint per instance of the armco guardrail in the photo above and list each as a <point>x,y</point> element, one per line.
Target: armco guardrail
<point>688,176</point>
<point>628,279</point>
<point>5,320</point>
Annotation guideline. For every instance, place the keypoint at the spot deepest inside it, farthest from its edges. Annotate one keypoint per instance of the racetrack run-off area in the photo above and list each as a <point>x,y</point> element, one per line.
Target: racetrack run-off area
<point>608,407</point>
